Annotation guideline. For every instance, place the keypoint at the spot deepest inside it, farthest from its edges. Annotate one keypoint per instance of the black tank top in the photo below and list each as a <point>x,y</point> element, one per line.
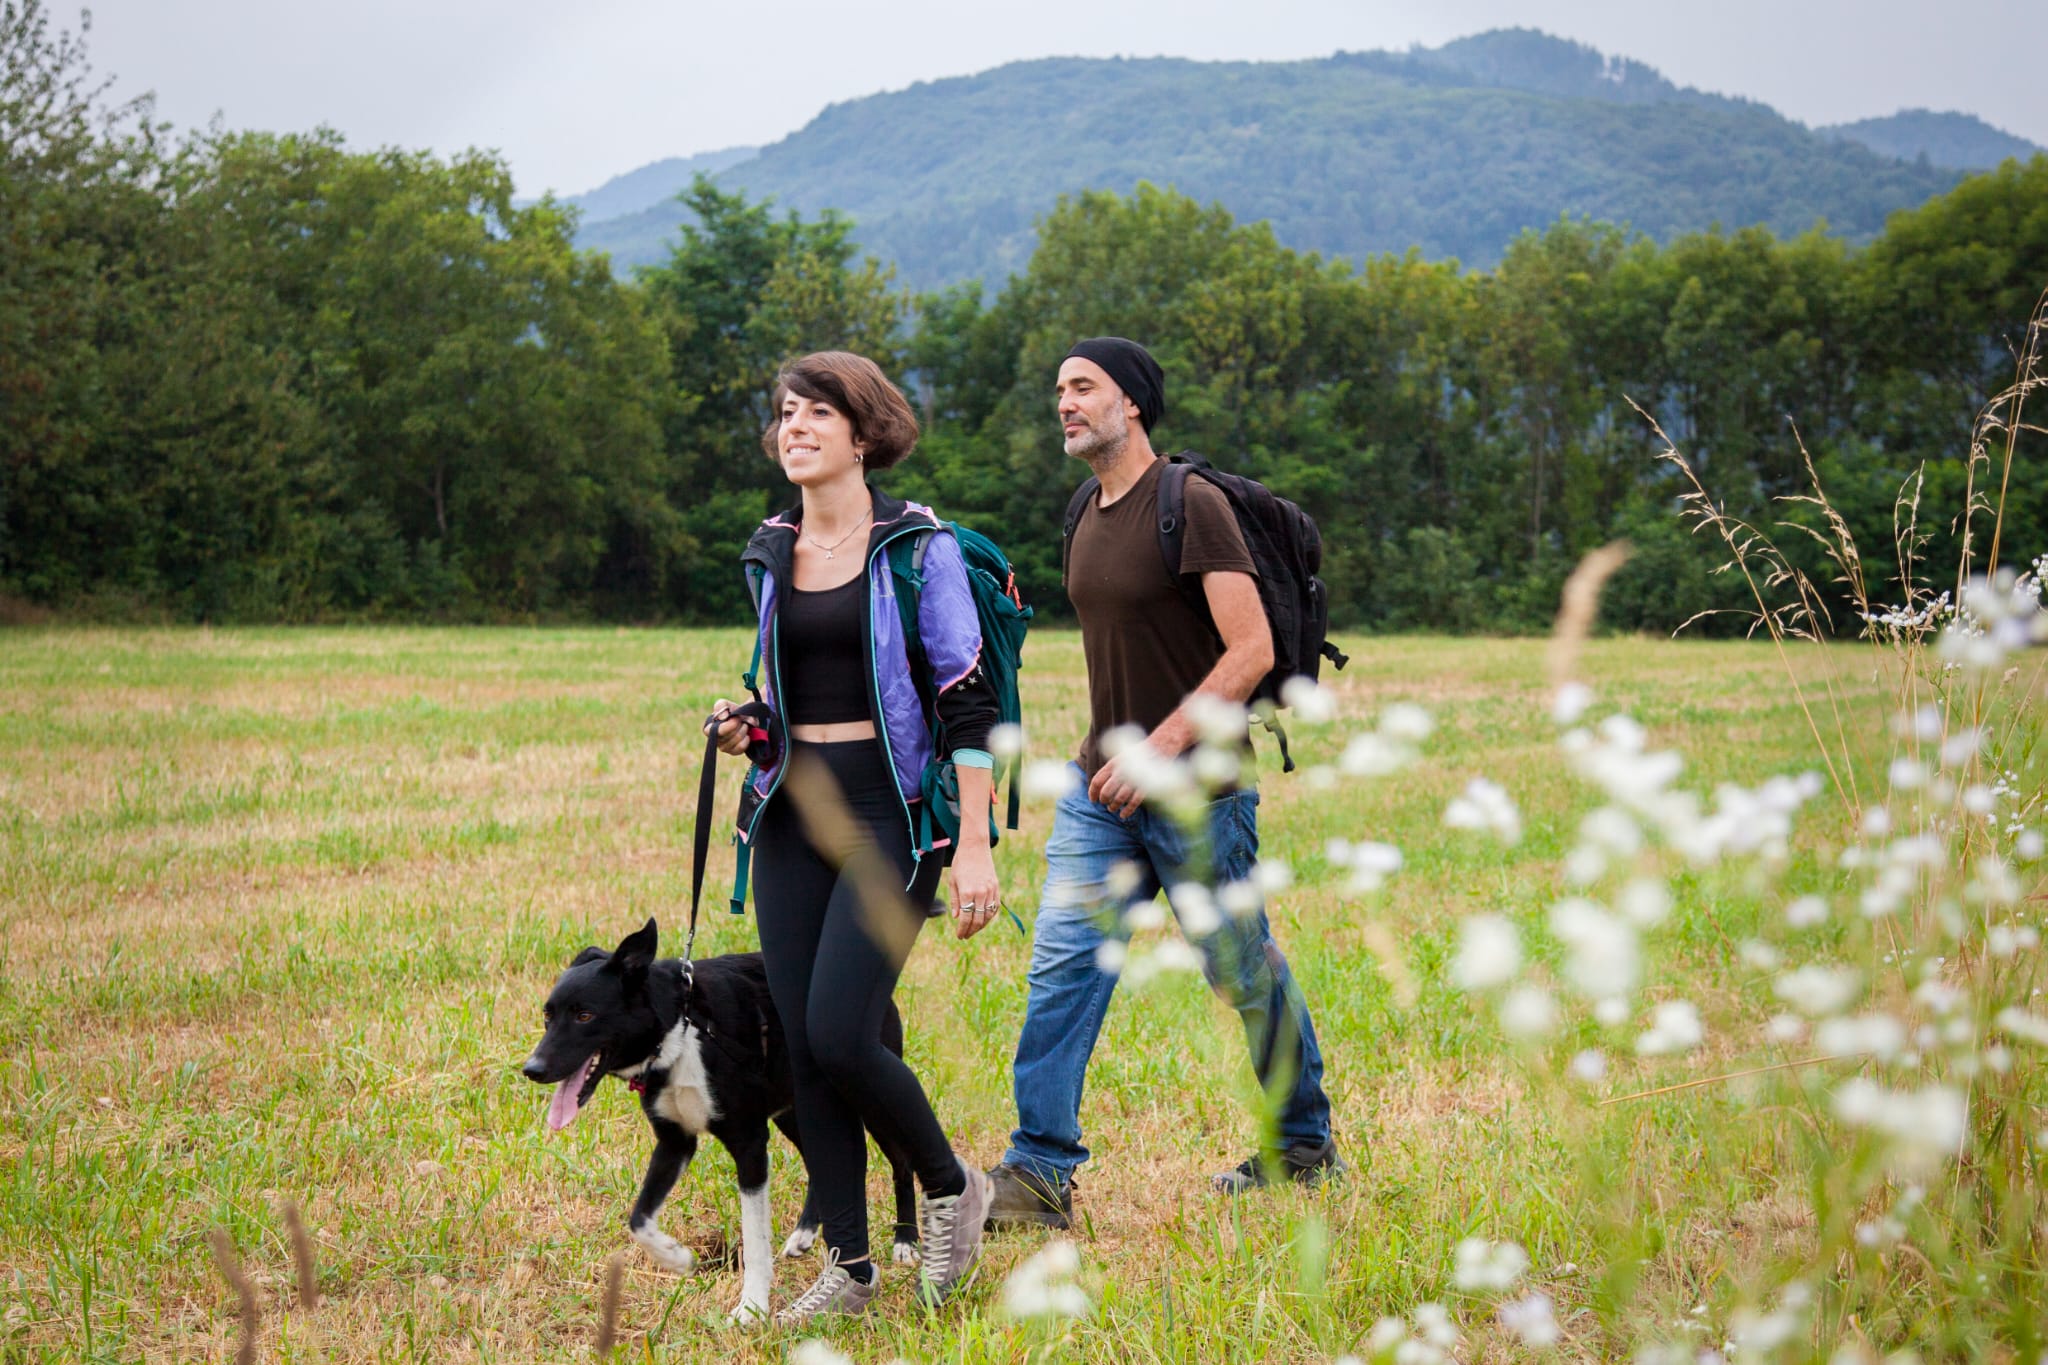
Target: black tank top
<point>823,676</point>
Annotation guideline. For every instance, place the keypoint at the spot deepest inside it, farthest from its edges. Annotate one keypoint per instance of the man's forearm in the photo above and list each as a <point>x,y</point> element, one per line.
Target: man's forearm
<point>1232,680</point>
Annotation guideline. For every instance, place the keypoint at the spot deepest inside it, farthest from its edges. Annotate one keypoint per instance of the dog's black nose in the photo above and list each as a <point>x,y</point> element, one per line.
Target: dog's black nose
<point>533,1070</point>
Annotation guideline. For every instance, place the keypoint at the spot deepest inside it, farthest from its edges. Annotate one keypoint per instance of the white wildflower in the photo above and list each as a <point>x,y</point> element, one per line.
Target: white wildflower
<point>1527,1013</point>
<point>1816,990</point>
<point>1311,702</point>
<point>1110,956</point>
<point>1406,722</point>
<point>1585,865</point>
<point>2029,846</point>
<point>1240,899</point>
<point>1485,806</point>
<point>2029,1028</point>
<point>1645,902</point>
<point>1372,863</point>
<point>1977,799</point>
<point>1218,721</point>
<point>1612,1012</point>
<point>1049,779</point>
<point>1195,908</point>
<point>1532,1319</point>
<point>1272,876</point>
<point>817,1352</point>
<point>1760,955</point>
<point>1933,1120</point>
<point>1908,774</point>
<point>1488,1266</point>
<point>1570,703</point>
<point>1433,1324</point>
<point>1372,755</point>
<point>1674,1027</point>
<point>1877,822</point>
<point>1124,878</point>
<point>1216,769</point>
<point>1806,911</point>
<point>1960,747</point>
<point>1590,1066</point>
<point>1489,953</point>
<point>1611,830</point>
<point>1864,1035</point>
<point>1785,1028</point>
<point>1601,958</point>
<point>1006,741</point>
<point>1043,1285</point>
<point>1937,996</point>
<point>1142,917</point>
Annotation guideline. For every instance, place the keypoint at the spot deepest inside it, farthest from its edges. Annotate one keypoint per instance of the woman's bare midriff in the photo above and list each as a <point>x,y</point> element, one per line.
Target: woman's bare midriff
<point>838,732</point>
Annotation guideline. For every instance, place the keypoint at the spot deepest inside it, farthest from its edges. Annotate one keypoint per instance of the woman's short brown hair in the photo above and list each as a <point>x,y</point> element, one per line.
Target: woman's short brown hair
<point>878,411</point>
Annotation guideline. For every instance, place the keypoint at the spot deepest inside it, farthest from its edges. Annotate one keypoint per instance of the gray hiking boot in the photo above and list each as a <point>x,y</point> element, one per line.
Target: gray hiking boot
<point>1022,1199</point>
<point>1303,1164</point>
<point>951,1228</point>
<point>833,1292</point>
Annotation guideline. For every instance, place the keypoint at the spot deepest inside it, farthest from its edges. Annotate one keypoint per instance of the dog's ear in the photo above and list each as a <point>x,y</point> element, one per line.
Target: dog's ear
<point>591,954</point>
<point>636,951</point>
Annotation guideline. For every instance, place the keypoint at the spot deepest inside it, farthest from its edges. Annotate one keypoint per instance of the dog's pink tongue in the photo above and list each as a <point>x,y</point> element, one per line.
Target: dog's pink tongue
<point>562,1108</point>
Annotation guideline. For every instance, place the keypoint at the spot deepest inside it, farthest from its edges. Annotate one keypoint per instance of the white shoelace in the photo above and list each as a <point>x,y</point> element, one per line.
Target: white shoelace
<point>941,1218</point>
<point>830,1281</point>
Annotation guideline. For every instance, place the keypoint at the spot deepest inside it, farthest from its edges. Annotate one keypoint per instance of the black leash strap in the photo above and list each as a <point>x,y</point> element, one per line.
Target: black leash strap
<point>707,793</point>
<point>760,723</point>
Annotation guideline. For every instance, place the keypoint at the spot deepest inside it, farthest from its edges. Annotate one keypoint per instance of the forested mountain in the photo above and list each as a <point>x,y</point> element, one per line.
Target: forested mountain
<point>627,194</point>
<point>249,376</point>
<point>1959,142</point>
<point>1453,151</point>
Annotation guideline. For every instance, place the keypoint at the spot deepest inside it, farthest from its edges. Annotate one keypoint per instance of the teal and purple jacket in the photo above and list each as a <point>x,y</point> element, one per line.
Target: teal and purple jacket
<point>944,692</point>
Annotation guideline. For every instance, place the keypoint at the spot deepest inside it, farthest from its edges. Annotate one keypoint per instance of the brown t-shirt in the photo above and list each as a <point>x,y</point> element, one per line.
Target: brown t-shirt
<point>1145,646</point>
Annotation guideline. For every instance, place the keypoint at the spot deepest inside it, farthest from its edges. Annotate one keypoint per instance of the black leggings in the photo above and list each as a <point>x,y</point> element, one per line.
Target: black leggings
<point>831,982</point>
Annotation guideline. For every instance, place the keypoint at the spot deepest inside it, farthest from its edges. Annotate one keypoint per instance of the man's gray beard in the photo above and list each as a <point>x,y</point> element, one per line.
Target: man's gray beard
<point>1102,449</point>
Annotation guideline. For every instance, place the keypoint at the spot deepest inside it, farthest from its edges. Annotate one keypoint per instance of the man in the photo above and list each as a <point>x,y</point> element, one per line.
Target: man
<point>1153,661</point>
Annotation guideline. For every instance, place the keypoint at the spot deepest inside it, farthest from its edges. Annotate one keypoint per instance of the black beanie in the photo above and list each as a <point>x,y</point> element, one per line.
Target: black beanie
<point>1133,369</point>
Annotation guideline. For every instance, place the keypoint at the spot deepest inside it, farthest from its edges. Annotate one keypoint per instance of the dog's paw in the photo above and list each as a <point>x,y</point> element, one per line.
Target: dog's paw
<point>800,1242</point>
<point>667,1252</point>
<point>904,1253</point>
<point>748,1312</point>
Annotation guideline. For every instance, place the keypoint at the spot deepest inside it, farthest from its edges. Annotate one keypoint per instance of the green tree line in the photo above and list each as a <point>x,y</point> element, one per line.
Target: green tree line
<point>247,377</point>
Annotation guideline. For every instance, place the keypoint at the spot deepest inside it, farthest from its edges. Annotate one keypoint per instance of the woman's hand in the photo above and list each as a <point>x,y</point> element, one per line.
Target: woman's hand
<point>732,730</point>
<point>976,896</point>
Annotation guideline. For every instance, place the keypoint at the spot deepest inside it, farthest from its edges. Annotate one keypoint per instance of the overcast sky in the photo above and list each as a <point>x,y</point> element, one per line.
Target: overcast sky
<point>572,93</point>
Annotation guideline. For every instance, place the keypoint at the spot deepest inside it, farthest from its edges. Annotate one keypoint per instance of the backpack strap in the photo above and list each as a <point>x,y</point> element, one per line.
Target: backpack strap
<point>1173,527</point>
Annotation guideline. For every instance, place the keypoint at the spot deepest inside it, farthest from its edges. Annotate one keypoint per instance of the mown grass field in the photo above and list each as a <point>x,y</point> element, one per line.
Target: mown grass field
<point>278,910</point>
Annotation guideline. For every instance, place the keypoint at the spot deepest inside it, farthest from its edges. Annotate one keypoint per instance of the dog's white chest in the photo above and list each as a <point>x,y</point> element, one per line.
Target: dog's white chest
<point>685,1099</point>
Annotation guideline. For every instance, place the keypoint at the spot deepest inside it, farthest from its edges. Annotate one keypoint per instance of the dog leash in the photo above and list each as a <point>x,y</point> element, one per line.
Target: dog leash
<point>757,717</point>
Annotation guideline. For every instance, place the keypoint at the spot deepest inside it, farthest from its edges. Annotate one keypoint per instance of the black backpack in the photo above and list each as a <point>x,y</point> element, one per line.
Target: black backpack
<point>1286,548</point>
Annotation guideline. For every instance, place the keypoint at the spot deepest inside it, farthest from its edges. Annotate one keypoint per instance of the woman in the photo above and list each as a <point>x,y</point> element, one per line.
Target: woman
<point>846,700</point>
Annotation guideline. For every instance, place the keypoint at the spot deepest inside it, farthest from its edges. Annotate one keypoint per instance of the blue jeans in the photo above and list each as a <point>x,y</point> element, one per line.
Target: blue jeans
<point>1070,994</point>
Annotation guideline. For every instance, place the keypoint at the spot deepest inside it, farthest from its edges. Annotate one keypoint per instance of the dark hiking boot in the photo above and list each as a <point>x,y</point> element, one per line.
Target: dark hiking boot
<point>1023,1199</point>
<point>1305,1165</point>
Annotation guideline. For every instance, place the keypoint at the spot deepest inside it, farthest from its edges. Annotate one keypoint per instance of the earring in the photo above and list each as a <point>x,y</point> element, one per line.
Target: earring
<point>860,459</point>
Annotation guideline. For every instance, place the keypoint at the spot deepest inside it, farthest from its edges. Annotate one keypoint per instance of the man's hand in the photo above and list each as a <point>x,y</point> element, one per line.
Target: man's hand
<point>1113,785</point>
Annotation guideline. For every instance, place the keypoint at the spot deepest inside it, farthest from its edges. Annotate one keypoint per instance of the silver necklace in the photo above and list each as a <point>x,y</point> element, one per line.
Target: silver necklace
<point>828,549</point>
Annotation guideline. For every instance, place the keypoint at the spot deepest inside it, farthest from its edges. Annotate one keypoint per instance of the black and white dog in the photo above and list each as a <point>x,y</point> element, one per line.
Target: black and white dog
<point>702,1044</point>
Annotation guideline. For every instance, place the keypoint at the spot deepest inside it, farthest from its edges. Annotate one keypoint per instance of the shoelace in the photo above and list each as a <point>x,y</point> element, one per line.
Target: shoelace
<point>940,1219</point>
<point>830,1281</point>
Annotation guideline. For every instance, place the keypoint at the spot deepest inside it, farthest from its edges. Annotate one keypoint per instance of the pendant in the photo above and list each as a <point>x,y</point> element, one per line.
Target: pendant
<point>828,554</point>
